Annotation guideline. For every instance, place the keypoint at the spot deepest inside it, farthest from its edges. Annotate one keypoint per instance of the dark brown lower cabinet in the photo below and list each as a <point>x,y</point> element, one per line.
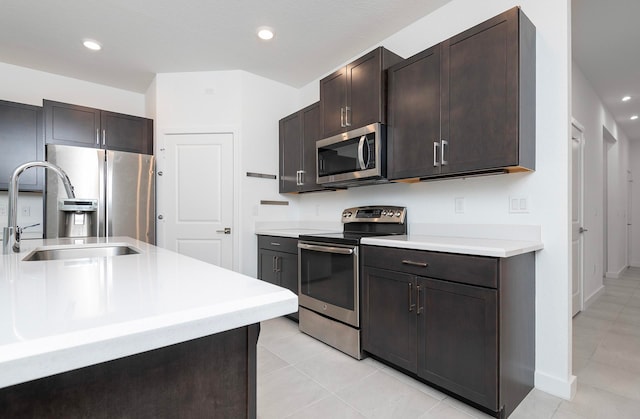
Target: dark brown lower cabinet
<point>465,324</point>
<point>209,377</point>
<point>278,263</point>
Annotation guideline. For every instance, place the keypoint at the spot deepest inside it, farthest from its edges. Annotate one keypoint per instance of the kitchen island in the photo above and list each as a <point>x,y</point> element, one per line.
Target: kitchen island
<point>139,335</point>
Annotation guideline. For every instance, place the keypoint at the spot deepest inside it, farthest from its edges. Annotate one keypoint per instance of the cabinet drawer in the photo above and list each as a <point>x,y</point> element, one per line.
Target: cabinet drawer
<point>280,244</point>
<point>473,270</point>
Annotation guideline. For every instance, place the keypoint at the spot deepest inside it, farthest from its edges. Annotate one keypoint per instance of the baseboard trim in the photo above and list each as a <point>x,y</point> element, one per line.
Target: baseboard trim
<point>556,386</point>
<point>615,274</point>
<point>593,297</point>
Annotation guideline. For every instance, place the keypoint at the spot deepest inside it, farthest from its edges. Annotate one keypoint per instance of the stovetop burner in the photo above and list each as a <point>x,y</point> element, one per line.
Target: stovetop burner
<point>362,222</point>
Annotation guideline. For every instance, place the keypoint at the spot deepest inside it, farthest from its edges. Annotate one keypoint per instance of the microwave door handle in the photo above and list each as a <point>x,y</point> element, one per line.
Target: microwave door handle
<point>363,139</point>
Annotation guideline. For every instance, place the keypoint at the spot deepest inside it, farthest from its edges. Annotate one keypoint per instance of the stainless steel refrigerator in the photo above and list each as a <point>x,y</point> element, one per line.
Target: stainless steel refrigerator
<point>123,183</point>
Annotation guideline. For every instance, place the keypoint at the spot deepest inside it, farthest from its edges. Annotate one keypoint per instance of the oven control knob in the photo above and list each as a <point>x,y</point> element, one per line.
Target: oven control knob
<point>344,215</point>
<point>349,214</point>
<point>398,214</point>
<point>384,212</point>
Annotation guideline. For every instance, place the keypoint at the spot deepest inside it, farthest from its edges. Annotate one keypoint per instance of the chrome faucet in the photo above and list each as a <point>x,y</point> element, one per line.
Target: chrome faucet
<point>11,233</point>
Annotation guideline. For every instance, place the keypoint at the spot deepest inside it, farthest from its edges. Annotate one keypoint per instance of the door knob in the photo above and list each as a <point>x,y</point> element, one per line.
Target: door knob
<point>227,230</point>
<point>582,230</point>
<point>160,173</point>
<point>160,217</point>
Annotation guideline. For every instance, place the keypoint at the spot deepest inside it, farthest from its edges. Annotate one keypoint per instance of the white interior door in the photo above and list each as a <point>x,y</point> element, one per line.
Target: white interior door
<point>577,229</point>
<point>195,185</point>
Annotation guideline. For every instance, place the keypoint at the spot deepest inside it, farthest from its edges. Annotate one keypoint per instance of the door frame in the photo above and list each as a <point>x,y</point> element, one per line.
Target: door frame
<point>236,224</point>
<point>578,126</point>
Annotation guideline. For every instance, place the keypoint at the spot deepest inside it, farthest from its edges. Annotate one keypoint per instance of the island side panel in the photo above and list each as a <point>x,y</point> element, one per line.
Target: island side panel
<point>213,376</point>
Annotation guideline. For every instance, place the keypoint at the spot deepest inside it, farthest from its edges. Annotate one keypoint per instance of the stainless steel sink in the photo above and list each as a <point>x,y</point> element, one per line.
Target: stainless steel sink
<point>79,252</point>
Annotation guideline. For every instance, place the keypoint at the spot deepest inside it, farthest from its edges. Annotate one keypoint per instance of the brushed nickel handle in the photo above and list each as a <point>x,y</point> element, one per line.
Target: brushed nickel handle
<point>445,144</point>
<point>347,111</point>
<point>104,137</point>
<point>274,244</point>
<point>412,263</point>
<point>411,304</point>
<point>97,136</point>
<point>227,230</point>
<point>436,145</point>
<point>342,118</point>
<point>420,308</point>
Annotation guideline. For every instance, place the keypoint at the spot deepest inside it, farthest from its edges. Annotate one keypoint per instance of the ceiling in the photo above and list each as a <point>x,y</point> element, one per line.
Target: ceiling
<point>605,37</point>
<point>143,37</point>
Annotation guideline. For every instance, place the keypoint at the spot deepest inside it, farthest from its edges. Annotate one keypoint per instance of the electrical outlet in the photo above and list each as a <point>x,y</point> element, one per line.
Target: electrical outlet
<point>26,211</point>
<point>518,204</point>
<point>459,205</point>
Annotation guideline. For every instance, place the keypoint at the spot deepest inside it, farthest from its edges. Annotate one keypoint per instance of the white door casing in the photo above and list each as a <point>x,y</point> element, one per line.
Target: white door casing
<point>195,184</point>
<point>577,229</point>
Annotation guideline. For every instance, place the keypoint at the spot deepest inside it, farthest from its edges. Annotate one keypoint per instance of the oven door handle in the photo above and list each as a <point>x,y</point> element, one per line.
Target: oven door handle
<point>326,249</point>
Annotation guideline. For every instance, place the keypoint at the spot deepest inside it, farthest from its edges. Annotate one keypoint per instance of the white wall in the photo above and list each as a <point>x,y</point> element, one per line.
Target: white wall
<point>589,111</point>
<point>248,105</point>
<point>634,156</point>
<point>486,198</point>
<point>24,85</point>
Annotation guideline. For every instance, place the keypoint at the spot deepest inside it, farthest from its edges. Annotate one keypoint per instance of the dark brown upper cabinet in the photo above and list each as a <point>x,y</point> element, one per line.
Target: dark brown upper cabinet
<point>481,116</point>
<point>21,141</point>
<point>298,134</point>
<point>82,126</point>
<point>355,95</point>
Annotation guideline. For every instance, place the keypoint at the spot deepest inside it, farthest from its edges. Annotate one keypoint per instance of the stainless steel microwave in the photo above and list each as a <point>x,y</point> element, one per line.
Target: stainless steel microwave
<point>352,158</point>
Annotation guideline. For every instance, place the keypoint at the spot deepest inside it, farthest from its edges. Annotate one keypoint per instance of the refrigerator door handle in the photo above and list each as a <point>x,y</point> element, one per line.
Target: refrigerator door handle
<point>109,193</point>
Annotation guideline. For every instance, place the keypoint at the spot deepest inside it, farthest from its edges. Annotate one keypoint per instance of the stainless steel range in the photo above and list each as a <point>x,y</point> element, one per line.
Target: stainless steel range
<point>329,275</point>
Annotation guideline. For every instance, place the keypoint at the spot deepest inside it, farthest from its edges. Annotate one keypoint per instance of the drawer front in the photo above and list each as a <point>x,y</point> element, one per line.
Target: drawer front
<point>465,269</point>
<point>279,244</point>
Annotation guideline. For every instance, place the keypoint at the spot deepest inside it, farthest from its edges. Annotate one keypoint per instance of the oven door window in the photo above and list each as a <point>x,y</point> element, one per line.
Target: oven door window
<point>329,277</point>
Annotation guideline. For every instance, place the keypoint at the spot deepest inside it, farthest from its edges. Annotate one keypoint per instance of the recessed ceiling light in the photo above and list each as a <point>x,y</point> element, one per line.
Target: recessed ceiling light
<point>265,33</point>
<point>92,45</point>
<point>626,98</point>
<point>634,117</point>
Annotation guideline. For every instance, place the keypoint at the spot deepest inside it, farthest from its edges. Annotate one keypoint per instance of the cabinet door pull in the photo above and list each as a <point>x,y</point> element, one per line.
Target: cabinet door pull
<point>342,117</point>
<point>445,144</point>
<point>347,111</point>
<point>104,137</point>
<point>301,177</point>
<point>436,145</point>
<point>278,263</point>
<point>273,264</point>
<point>97,136</point>
<point>275,244</point>
<point>420,307</point>
<point>412,263</point>
<point>411,304</point>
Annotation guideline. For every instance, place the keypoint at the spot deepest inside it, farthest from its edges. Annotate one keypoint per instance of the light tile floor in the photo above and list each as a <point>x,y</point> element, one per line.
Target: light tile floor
<point>300,377</point>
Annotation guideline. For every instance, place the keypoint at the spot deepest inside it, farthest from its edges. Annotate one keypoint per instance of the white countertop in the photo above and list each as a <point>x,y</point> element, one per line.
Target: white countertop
<point>463,245</point>
<point>60,315</point>
<point>293,232</point>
